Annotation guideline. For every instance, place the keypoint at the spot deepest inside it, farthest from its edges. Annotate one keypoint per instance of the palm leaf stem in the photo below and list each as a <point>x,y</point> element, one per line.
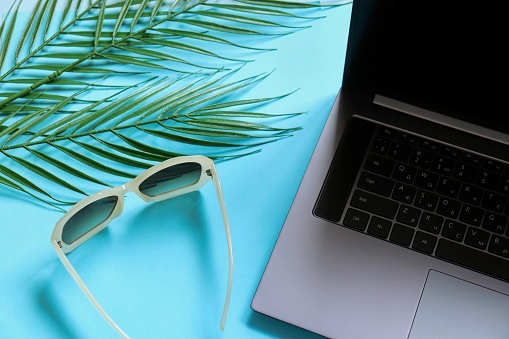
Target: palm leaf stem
<point>62,123</point>
<point>139,124</point>
<point>47,42</point>
<point>85,57</point>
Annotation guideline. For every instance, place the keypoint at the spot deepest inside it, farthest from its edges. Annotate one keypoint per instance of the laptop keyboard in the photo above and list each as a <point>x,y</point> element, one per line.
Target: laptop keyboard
<point>433,198</point>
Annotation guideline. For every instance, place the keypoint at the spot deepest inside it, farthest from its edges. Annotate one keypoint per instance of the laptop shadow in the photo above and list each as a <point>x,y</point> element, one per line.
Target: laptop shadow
<point>278,329</point>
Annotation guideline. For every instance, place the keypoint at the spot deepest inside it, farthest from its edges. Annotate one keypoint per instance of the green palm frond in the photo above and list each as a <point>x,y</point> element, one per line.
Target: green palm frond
<point>82,86</point>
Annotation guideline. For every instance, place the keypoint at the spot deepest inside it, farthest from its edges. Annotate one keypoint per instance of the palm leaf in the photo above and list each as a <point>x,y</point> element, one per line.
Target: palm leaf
<point>99,26</point>
<point>115,86</point>
<point>28,29</point>
<point>121,17</point>
<point>6,31</point>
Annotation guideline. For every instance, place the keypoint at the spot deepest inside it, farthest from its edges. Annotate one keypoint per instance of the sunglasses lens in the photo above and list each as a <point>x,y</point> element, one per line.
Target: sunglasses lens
<point>88,218</point>
<point>171,178</point>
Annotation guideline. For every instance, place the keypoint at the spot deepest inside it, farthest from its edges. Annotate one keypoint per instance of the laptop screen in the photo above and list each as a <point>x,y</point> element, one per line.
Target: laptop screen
<point>444,56</point>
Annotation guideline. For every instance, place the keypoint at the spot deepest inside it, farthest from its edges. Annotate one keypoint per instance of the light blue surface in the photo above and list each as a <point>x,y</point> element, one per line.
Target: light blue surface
<point>160,270</point>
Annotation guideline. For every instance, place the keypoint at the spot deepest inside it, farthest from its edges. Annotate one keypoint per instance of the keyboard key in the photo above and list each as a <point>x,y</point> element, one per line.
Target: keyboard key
<point>401,235</point>
<point>471,215</point>
<point>379,227</point>
<point>504,185</point>
<point>424,242</point>
<point>409,139</point>
<point>471,194</point>
<point>429,145</point>
<point>499,246</point>
<point>387,132</point>
<point>404,193</point>
<point>374,204</point>
<point>379,165</point>
<point>380,145</point>
<point>477,238</point>
<point>472,258</point>
<point>454,230</point>
<point>443,165</point>
<point>494,166</point>
<point>471,158</point>
<point>356,219</point>
<point>494,202</point>
<point>408,215</point>
<point>426,200</point>
<point>427,180</point>
<point>431,222</point>
<point>405,173</point>
<point>421,158</point>
<point>465,172</point>
<point>399,151</point>
<point>448,187</point>
<point>450,152</point>
<point>448,207</point>
<point>375,184</point>
<point>488,180</point>
<point>494,223</point>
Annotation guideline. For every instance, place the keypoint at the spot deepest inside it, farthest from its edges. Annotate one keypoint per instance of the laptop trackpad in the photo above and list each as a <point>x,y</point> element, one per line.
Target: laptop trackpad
<point>453,308</point>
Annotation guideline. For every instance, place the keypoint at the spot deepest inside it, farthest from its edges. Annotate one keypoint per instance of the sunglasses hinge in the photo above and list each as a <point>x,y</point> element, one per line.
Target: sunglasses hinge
<point>209,172</point>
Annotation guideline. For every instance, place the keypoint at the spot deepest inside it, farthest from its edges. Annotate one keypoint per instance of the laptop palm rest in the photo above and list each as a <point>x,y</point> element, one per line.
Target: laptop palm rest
<point>454,308</point>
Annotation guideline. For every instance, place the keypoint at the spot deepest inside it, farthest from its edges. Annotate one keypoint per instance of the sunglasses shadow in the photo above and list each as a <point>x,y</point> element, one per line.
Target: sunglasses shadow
<point>189,222</point>
<point>165,217</point>
<point>47,301</point>
<point>185,216</point>
<point>182,225</point>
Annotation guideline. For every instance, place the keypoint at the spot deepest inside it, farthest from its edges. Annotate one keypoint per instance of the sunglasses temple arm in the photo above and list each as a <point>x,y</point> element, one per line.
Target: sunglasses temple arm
<point>219,192</point>
<point>83,287</point>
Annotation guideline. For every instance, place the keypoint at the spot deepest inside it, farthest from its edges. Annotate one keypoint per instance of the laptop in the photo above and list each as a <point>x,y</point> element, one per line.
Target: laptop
<point>400,225</point>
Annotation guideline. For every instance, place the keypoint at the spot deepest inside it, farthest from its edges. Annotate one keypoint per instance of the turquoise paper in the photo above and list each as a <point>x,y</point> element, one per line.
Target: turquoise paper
<point>160,269</point>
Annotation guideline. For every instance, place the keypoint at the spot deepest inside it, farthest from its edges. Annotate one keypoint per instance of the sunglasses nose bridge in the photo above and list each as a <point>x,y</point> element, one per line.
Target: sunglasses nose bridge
<point>131,186</point>
<point>134,187</point>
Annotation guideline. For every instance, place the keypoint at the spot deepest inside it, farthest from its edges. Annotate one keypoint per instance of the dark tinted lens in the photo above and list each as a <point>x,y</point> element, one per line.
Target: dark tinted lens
<point>171,178</point>
<point>88,218</point>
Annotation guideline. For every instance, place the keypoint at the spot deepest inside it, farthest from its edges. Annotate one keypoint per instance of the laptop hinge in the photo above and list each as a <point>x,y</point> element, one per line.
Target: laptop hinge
<point>440,119</point>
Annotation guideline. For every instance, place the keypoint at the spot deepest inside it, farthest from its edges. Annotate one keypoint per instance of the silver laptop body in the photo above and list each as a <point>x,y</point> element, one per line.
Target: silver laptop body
<point>356,259</point>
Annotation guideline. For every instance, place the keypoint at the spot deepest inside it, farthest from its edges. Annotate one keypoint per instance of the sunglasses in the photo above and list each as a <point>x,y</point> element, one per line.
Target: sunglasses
<point>171,178</point>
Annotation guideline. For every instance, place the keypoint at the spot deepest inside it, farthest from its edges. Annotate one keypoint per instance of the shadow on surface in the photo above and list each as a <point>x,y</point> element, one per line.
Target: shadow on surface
<point>48,303</point>
<point>279,329</point>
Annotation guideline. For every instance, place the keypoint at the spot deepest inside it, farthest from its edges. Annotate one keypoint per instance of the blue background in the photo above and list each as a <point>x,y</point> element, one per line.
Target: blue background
<point>160,270</point>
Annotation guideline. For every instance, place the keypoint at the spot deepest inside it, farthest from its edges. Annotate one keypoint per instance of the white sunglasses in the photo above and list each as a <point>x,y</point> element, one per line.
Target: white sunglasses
<point>171,178</point>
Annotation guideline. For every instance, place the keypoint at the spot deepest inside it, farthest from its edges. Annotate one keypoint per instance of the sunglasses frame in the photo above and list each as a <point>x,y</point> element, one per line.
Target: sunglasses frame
<point>208,172</point>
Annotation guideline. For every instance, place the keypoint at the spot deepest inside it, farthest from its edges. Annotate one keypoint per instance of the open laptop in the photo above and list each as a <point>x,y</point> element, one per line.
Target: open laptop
<point>400,225</point>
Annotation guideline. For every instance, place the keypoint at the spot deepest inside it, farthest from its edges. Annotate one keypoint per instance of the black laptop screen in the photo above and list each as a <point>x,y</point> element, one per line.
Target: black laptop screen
<point>446,56</point>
